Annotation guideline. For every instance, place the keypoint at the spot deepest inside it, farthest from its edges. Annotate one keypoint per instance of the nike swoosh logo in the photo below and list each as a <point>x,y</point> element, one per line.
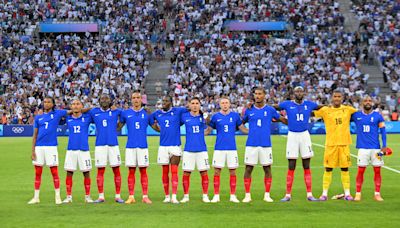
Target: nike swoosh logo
<point>252,114</point>
<point>97,115</point>
<point>130,116</point>
<point>218,120</point>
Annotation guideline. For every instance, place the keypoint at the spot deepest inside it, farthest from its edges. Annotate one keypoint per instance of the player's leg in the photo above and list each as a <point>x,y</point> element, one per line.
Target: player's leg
<point>68,186</point>
<point>38,164</point>
<point>115,162</point>
<point>70,165</point>
<point>362,163</point>
<point>189,161</point>
<point>176,154</point>
<point>85,165</point>
<point>289,180</point>
<point>218,163</point>
<point>377,163</point>
<point>143,163</point>
<point>131,163</point>
<point>250,160</point>
<point>266,160</point>
<point>87,183</point>
<point>233,164</point>
<point>101,157</point>
<point>164,160</point>
<point>326,182</point>
<point>308,179</point>
<point>345,163</point>
<point>51,157</point>
<point>203,166</point>
<point>330,161</point>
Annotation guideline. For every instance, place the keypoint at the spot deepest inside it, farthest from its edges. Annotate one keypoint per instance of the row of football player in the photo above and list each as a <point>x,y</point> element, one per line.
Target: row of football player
<point>258,150</point>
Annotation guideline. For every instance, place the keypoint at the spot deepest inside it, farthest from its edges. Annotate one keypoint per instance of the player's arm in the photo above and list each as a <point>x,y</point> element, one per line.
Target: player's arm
<point>319,107</point>
<point>277,107</point>
<point>34,138</point>
<point>382,129</point>
<point>283,120</point>
<point>120,126</point>
<point>208,130</point>
<point>85,110</point>
<point>155,126</point>
<point>243,129</point>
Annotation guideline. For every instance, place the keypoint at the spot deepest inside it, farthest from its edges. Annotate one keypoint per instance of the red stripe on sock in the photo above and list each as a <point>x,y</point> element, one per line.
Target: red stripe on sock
<point>175,178</point>
<point>100,179</point>
<point>377,179</point>
<point>131,180</point>
<point>144,180</point>
<point>165,178</point>
<point>232,183</point>
<point>247,184</point>
<point>360,178</point>
<point>216,184</point>
<point>267,184</point>
<point>204,183</point>
<point>87,183</point>
<point>117,180</point>
<point>186,183</point>
<point>308,179</point>
<point>56,178</point>
<point>38,176</point>
<point>68,185</point>
<point>289,181</point>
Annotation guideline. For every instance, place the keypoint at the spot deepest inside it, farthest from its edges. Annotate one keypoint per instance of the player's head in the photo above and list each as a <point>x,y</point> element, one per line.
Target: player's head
<point>298,93</point>
<point>194,104</point>
<point>105,101</point>
<point>166,102</point>
<point>367,103</point>
<point>259,95</point>
<point>76,105</point>
<point>337,97</point>
<point>225,104</point>
<point>48,103</point>
<point>136,99</point>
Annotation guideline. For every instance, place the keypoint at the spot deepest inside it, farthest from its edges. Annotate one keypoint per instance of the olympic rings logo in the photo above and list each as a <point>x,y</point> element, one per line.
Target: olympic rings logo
<point>18,130</point>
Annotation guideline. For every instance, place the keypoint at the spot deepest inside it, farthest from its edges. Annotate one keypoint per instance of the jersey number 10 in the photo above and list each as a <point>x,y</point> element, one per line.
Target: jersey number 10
<point>366,128</point>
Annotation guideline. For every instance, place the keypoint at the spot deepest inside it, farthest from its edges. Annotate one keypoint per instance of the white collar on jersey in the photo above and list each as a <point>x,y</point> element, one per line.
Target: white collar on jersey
<point>226,113</point>
<point>166,111</point>
<point>105,110</point>
<point>76,117</point>
<point>137,110</point>
<point>261,107</point>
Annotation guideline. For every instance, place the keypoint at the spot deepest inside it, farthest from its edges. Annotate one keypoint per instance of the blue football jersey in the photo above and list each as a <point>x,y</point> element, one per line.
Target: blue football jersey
<point>367,129</point>
<point>298,115</point>
<point>195,126</point>
<point>170,125</point>
<point>259,120</point>
<point>106,126</point>
<point>47,124</point>
<point>79,132</point>
<point>136,122</point>
<point>226,126</point>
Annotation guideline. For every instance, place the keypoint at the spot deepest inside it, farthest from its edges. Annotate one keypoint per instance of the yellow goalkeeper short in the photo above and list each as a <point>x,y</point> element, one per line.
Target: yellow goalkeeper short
<point>337,156</point>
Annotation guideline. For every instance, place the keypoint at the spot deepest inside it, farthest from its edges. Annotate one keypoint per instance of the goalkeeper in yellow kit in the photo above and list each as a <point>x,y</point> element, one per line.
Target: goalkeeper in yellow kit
<point>337,144</point>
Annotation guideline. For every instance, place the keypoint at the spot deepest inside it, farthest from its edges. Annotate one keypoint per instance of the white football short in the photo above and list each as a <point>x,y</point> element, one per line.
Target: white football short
<point>136,157</point>
<point>191,160</point>
<point>369,156</point>
<point>75,158</point>
<point>230,156</point>
<point>166,152</point>
<point>105,154</point>
<point>254,155</point>
<point>299,142</point>
<point>46,155</point>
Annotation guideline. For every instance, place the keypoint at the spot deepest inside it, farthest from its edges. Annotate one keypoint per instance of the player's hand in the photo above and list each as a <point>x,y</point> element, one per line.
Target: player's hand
<point>249,105</point>
<point>384,150</point>
<point>113,107</point>
<point>33,156</point>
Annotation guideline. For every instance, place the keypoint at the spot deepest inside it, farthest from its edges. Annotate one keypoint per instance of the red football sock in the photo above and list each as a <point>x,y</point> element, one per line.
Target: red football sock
<point>174,171</point>
<point>56,178</point>
<point>308,179</point>
<point>289,181</point>
<point>186,183</point>
<point>216,184</point>
<point>247,184</point>
<point>267,184</point>
<point>144,180</point>
<point>87,183</point>
<point>131,181</point>
<point>360,178</point>
<point>204,183</point>
<point>232,183</point>
<point>165,178</point>
<point>38,176</point>
<point>377,179</point>
<point>100,179</point>
<point>117,180</point>
<point>68,184</point>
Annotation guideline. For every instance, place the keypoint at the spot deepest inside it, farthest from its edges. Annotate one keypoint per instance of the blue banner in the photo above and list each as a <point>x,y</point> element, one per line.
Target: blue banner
<point>276,129</point>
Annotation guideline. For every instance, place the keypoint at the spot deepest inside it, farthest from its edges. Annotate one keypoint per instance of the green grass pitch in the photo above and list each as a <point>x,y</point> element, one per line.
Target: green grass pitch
<point>17,176</point>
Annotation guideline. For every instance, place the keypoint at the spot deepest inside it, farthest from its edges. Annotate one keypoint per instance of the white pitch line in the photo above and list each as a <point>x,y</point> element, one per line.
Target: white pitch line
<point>355,156</point>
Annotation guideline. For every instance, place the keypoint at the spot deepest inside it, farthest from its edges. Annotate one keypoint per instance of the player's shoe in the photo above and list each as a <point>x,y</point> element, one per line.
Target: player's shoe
<point>34,201</point>
<point>99,200</point>
<point>215,199</point>
<point>174,200</point>
<point>247,198</point>
<point>234,199</point>
<point>185,199</point>
<point>312,199</point>
<point>130,200</point>
<point>378,197</point>
<point>167,199</point>
<point>146,200</point>
<point>286,199</point>
<point>348,198</point>
<point>68,200</point>
<point>88,199</point>
<point>268,198</point>
<point>58,200</point>
<point>357,197</point>
<point>119,200</point>
<point>323,198</point>
<point>205,198</point>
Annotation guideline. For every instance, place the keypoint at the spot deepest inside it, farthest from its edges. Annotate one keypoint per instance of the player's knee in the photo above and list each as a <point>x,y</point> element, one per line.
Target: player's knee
<point>70,174</point>
<point>328,169</point>
<point>344,169</point>
<point>232,172</point>
<point>292,164</point>
<point>217,172</point>
<point>186,173</point>
<point>203,173</point>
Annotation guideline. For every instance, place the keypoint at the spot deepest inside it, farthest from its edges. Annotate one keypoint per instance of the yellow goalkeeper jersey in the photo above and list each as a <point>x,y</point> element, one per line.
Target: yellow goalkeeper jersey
<point>337,124</point>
